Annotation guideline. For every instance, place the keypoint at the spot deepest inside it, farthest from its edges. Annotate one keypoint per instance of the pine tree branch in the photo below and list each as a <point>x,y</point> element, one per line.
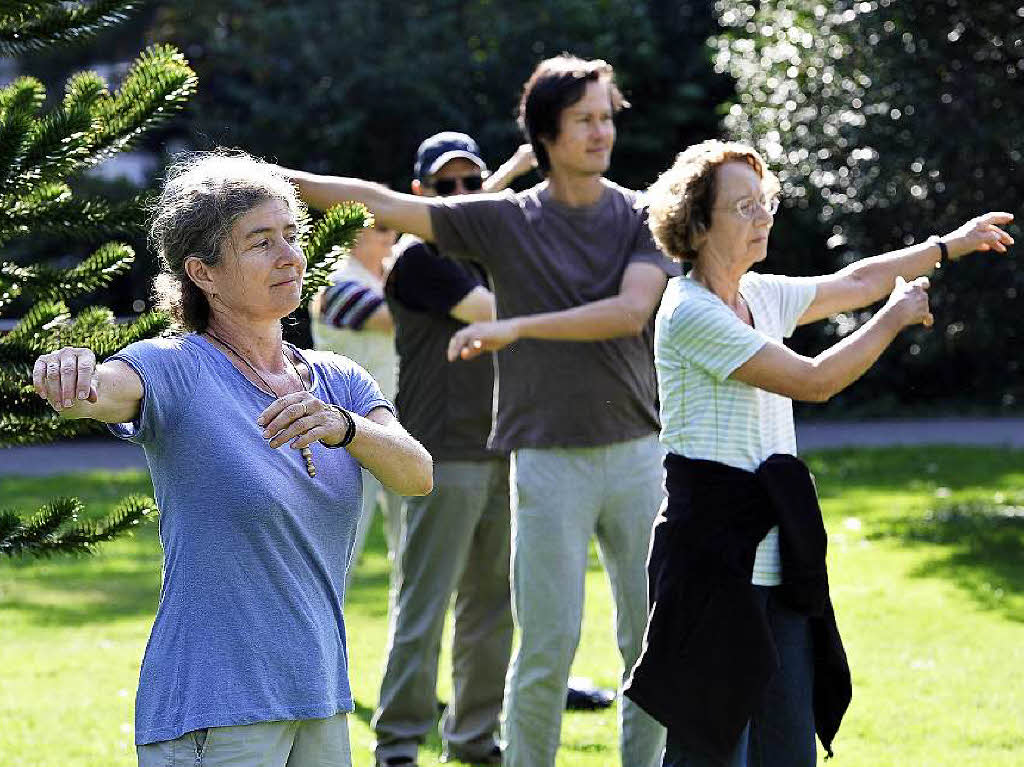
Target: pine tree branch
<point>98,270</point>
<point>30,25</point>
<point>73,219</point>
<point>26,93</point>
<point>93,125</point>
<point>31,430</point>
<point>17,394</point>
<point>55,528</point>
<point>43,283</point>
<point>56,146</point>
<point>328,243</point>
<point>48,326</point>
<point>30,338</point>
<point>148,325</point>
<point>84,89</point>
<point>159,83</point>
<point>12,279</point>
<point>38,154</point>
<point>19,104</point>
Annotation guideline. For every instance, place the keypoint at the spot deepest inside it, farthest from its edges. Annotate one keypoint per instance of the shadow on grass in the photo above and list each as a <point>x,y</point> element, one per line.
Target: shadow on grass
<point>963,504</point>
<point>981,550</point>
<point>121,580</point>
<point>902,470</point>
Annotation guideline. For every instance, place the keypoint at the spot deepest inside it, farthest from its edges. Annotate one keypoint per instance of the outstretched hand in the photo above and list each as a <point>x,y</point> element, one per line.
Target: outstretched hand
<point>65,377</point>
<point>980,233</point>
<point>480,337</point>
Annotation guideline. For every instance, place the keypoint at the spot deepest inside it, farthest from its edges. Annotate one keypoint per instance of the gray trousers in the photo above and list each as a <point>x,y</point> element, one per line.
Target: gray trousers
<point>374,494</point>
<point>456,539</point>
<point>560,498</point>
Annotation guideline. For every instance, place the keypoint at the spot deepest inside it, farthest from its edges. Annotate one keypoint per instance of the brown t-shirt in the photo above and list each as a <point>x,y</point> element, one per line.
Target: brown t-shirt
<point>544,256</point>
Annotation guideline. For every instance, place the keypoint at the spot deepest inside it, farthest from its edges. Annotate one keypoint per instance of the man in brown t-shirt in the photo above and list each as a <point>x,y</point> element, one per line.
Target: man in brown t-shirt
<point>576,277</point>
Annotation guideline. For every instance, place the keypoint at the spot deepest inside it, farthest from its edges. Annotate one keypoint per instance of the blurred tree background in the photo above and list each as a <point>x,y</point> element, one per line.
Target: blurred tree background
<point>887,121</point>
<point>354,86</point>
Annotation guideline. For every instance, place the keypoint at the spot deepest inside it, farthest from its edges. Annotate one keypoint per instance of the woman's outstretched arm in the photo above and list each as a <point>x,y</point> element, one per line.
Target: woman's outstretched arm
<point>76,387</point>
<point>871,279</point>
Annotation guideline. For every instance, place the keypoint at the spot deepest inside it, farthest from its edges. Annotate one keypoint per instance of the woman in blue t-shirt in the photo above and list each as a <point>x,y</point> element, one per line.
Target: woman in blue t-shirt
<point>255,449</point>
<point>743,660</point>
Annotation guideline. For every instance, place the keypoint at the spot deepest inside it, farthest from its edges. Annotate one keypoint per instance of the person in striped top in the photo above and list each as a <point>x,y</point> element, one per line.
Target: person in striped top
<point>726,381</point>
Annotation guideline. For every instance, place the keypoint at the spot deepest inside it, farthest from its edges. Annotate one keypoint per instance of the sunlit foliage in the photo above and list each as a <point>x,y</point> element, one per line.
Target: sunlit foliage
<point>888,122</point>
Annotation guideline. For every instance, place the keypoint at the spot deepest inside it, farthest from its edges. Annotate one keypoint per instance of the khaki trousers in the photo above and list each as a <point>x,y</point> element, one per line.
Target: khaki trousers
<point>296,743</point>
<point>454,540</point>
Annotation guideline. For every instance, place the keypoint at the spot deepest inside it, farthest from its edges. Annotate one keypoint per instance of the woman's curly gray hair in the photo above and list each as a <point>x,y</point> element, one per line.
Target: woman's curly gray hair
<point>204,194</point>
<point>680,201</point>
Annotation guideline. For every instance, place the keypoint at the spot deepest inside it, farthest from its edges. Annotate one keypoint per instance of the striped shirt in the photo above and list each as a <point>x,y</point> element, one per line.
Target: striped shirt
<point>353,295</point>
<point>698,343</point>
<point>348,304</point>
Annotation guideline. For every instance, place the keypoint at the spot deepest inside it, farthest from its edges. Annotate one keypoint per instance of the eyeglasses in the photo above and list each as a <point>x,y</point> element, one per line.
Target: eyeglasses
<point>446,186</point>
<point>748,206</point>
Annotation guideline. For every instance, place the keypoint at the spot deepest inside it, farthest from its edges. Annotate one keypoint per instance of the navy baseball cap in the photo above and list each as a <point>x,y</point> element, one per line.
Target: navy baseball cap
<point>435,151</point>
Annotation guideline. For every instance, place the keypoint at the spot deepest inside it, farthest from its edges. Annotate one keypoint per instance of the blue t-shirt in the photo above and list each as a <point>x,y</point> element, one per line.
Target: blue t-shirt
<point>249,627</point>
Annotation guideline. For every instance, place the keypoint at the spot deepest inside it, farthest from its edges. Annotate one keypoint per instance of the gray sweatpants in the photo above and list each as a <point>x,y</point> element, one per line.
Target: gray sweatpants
<point>560,498</point>
<point>456,539</point>
<point>390,503</point>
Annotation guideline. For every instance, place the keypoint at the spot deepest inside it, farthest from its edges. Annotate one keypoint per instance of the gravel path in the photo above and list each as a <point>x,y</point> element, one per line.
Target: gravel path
<point>112,454</point>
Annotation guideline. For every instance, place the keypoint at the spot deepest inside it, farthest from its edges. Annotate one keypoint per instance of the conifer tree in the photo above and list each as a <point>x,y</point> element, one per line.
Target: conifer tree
<point>39,153</point>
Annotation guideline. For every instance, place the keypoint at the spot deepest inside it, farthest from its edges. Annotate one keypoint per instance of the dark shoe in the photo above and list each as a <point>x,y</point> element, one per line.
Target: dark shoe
<point>583,695</point>
<point>397,761</point>
<point>494,757</point>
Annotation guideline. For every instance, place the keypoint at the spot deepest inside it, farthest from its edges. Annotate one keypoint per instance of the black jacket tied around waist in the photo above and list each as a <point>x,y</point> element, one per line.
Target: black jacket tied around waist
<point>708,652</point>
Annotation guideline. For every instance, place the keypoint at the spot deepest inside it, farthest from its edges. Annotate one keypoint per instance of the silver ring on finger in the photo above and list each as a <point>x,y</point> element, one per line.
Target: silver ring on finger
<point>305,410</point>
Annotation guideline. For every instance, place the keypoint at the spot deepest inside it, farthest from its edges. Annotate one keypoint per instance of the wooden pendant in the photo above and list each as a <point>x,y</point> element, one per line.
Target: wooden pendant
<point>307,454</point>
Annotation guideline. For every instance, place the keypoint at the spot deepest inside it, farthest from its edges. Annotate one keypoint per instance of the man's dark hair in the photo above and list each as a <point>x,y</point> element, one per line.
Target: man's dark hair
<point>558,83</point>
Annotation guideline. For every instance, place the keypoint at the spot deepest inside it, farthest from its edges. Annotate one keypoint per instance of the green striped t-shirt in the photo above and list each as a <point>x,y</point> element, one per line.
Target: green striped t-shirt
<point>698,343</point>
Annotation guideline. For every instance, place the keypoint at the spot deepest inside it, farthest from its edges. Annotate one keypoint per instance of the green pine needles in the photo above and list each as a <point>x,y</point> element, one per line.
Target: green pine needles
<point>40,152</point>
<point>327,242</point>
<point>27,25</point>
<point>57,529</point>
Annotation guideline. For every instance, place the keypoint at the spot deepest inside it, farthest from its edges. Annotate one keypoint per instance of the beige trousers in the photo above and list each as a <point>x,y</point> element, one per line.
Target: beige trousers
<point>294,743</point>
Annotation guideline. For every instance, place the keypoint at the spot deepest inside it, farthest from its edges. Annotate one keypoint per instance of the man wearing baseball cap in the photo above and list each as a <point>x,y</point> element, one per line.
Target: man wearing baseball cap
<point>456,539</point>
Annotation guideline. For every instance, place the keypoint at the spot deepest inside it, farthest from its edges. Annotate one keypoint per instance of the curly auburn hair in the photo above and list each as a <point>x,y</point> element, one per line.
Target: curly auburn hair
<point>680,201</point>
<point>204,194</point>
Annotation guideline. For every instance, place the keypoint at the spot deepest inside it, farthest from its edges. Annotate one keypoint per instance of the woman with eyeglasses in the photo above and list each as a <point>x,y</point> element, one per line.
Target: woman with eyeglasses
<point>743,661</point>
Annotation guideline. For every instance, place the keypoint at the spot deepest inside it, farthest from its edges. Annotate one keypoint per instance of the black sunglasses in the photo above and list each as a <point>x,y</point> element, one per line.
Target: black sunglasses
<point>444,186</point>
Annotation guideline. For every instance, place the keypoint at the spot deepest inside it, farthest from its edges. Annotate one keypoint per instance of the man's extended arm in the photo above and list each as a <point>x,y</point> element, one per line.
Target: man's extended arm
<point>624,314</point>
<point>401,212</point>
<point>476,306</point>
<point>522,161</point>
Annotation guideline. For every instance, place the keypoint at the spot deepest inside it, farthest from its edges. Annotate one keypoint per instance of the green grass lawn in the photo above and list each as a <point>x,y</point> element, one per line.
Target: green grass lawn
<point>927,572</point>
